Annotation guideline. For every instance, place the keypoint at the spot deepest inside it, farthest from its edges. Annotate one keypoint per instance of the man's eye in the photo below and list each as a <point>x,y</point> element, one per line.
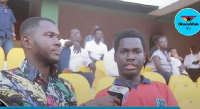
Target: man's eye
<point>50,36</point>
<point>137,52</point>
<point>123,52</point>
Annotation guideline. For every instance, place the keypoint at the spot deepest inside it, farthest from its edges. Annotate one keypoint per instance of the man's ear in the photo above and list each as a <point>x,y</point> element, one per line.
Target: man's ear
<point>26,42</point>
<point>115,57</point>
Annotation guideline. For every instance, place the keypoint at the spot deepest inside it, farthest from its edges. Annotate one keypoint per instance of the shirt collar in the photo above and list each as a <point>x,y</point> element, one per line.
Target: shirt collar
<point>30,72</point>
<point>144,81</point>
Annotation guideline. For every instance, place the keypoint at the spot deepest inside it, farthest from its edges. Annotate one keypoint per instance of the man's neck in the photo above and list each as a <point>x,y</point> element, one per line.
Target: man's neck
<point>3,5</point>
<point>135,80</point>
<point>97,42</point>
<point>163,50</point>
<point>42,67</point>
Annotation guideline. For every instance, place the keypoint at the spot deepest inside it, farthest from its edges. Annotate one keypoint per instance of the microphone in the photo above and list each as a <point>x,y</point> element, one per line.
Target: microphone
<point>121,91</point>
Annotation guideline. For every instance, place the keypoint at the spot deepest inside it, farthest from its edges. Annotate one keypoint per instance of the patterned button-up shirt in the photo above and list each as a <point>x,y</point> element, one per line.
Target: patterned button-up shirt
<point>24,86</point>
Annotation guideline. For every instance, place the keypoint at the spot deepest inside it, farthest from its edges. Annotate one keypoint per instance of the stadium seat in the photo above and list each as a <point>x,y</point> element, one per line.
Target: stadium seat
<point>99,73</point>
<point>83,69</point>
<point>184,91</point>
<point>179,79</point>
<point>2,58</point>
<point>148,68</point>
<point>15,58</point>
<point>104,83</point>
<point>189,104</point>
<point>81,86</point>
<point>154,77</point>
<point>198,83</point>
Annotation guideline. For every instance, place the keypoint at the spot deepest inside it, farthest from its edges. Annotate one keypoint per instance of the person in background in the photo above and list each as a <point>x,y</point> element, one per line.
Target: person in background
<point>109,62</point>
<point>91,36</point>
<point>160,58</point>
<point>129,55</point>
<point>176,62</point>
<point>7,28</point>
<point>96,48</point>
<point>80,58</point>
<point>192,63</point>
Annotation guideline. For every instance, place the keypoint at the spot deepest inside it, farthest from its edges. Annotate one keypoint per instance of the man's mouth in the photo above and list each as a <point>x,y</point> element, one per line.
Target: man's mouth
<point>130,67</point>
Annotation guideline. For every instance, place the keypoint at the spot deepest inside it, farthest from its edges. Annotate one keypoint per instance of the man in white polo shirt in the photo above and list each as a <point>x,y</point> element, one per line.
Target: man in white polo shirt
<point>96,48</point>
<point>79,58</point>
<point>192,63</point>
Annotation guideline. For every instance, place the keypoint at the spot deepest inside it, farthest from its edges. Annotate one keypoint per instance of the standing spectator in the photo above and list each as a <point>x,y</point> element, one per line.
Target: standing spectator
<point>160,58</point>
<point>7,29</point>
<point>96,48</point>
<point>192,63</point>
<point>91,36</point>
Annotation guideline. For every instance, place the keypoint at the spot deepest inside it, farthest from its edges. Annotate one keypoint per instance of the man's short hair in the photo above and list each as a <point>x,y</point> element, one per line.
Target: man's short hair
<point>129,33</point>
<point>29,26</point>
<point>157,37</point>
<point>97,30</point>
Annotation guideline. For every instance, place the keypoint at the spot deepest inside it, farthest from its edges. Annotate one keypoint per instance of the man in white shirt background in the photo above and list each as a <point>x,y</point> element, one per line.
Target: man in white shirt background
<point>96,48</point>
<point>79,58</point>
<point>91,36</point>
<point>109,62</point>
<point>192,63</point>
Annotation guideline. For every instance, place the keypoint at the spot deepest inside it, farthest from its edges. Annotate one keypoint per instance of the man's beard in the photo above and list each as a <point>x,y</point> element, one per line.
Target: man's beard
<point>44,57</point>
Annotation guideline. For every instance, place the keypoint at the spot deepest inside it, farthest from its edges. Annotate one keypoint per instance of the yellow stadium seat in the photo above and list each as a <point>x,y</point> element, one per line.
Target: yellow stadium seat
<point>189,104</point>
<point>179,79</point>
<point>198,82</point>
<point>15,58</point>
<point>184,91</point>
<point>2,58</point>
<point>81,86</point>
<point>83,69</point>
<point>104,83</point>
<point>148,68</point>
<point>154,77</point>
<point>99,73</point>
<point>142,70</point>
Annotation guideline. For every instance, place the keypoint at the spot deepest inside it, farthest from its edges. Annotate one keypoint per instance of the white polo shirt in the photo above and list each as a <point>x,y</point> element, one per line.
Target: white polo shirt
<point>163,61</point>
<point>76,60</point>
<point>97,50</point>
<point>110,64</point>
<point>189,59</point>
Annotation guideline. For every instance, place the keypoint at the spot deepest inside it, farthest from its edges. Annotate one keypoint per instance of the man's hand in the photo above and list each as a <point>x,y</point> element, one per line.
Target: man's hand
<point>14,36</point>
<point>77,47</point>
<point>195,62</point>
<point>103,101</point>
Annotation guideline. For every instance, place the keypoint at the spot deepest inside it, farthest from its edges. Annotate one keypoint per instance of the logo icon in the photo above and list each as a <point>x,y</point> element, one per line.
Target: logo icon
<point>187,21</point>
<point>188,18</point>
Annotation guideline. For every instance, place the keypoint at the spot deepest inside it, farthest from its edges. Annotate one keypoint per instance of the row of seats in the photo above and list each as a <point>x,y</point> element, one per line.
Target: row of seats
<point>14,58</point>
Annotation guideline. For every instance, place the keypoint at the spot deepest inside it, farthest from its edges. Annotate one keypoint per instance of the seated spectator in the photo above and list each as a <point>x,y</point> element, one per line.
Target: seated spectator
<point>192,63</point>
<point>96,48</point>
<point>80,58</point>
<point>175,60</point>
<point>130,56</point>
<point>109,62</point>
<point>160,58</point>
<point>91,36</point>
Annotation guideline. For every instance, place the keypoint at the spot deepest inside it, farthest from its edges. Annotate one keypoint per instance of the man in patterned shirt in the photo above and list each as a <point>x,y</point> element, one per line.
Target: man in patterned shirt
<point>36,82</point>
